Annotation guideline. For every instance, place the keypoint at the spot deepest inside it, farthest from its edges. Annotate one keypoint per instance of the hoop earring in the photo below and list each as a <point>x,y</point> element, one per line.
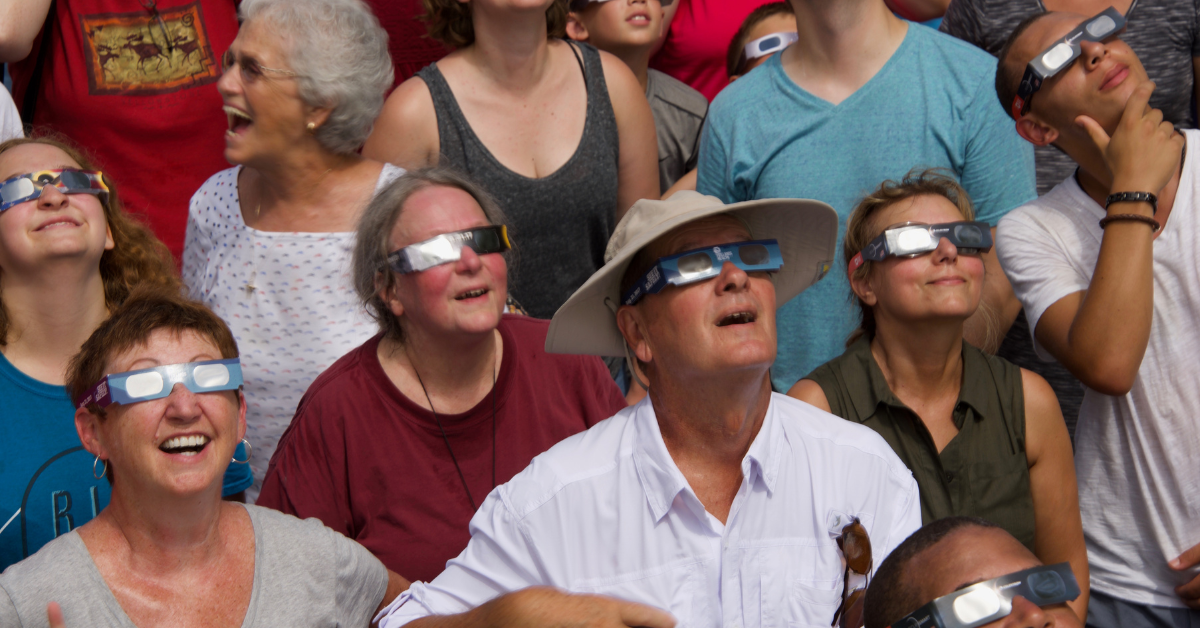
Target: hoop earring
<point>249,451</point>
<point>99,476</point>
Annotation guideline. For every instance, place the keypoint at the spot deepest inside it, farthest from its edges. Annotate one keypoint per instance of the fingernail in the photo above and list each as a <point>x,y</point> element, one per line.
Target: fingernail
<point>1175,563</point>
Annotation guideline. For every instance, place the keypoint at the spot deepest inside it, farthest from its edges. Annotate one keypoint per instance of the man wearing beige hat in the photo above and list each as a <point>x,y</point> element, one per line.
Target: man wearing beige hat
<point>713,502</point>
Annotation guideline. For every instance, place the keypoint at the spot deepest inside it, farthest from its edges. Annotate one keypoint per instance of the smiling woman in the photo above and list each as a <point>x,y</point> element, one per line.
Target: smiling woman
<point>165,443</point>
<point>68,254</point>
<point>269,240</point>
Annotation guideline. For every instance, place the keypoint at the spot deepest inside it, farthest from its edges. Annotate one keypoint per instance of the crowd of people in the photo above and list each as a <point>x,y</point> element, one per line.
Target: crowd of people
<point>896,333</point>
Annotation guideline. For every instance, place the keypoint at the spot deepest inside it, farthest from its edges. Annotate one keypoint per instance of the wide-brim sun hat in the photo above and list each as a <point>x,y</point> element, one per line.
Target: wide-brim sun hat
<point>806,231</point>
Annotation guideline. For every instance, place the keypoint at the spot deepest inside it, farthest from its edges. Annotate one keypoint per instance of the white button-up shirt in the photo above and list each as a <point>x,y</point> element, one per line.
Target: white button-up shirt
<point>608,512</point>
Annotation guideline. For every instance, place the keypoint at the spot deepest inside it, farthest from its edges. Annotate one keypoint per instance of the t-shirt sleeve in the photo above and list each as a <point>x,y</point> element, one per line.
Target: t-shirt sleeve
<point>196,246</point>
<point>361,580</point>
<point>997,168</point>
<point>1040,272</point>
<point>307,477</point>
<point>8,611</point>
<point>238,476</point>
<point>712,175</point>
<point>500,558</point>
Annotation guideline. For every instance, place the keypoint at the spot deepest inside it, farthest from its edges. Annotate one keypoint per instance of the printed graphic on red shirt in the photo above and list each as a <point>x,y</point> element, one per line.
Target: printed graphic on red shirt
<point>144,52</point>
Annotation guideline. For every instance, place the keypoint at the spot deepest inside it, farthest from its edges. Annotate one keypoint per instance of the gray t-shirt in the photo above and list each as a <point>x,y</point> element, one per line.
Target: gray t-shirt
<point>679,113</point>
<point>304,575</point>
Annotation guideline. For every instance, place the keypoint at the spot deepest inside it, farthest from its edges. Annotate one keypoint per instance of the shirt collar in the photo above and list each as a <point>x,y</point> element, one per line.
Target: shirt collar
<point>974,384</point>
<point>661,479</point>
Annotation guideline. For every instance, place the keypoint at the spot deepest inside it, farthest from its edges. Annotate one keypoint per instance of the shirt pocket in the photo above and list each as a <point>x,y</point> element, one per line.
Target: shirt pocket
<point>808,605</point>
<point>675,588</point>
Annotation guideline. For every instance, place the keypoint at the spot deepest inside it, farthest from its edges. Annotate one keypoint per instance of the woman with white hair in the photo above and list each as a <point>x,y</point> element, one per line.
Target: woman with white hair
<point>269,240</point>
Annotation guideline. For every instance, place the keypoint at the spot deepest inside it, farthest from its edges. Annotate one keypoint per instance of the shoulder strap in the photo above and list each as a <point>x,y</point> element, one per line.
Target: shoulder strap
<point>29,103</point>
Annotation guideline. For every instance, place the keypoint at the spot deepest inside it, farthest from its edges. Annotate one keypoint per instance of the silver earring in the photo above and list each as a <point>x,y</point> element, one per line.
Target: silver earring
<point>248,452</point>
<point>100,475</point>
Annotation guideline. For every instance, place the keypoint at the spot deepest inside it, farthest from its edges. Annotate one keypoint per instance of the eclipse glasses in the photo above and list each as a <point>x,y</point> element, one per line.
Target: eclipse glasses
<point>157,382</point>
<point>448,247</point>
<point>699,264</point>
<point>27,187</point>
<point>988,601</point>
<point>1057,57</point>
<point>766,45</point>
<point>910,240</point>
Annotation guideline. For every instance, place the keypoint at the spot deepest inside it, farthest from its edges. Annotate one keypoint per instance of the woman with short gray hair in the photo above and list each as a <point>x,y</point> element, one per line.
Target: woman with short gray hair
<point>269,240</point>
<point>398,443</point>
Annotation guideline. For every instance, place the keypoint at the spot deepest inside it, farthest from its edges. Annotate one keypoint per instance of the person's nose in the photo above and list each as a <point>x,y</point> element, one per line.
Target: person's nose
<point>229,84</point>
<point>945,252</point>
<point>732,278</point>
<point>1092,53</point>
<point>183,405</point>
<point>1026,614</point>
<point>469,262</point>
<point>52,198</point>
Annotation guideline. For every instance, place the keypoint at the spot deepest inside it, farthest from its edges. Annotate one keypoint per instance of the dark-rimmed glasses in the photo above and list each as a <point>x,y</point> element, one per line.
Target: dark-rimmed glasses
<point>1062,53</point>
<point>856,549</point>
<point>251,69</point>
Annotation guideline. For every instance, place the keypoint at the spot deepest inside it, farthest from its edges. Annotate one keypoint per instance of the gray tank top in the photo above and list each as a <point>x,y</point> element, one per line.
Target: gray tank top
<point>559,223</point>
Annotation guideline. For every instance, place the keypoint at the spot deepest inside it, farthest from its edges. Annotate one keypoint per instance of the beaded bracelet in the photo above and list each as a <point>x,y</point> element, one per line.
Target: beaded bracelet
<point>1154,226</point>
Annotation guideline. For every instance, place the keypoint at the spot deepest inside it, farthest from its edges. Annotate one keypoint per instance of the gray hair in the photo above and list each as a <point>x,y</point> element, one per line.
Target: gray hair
<point>340,53</point>
<point>371,274</point>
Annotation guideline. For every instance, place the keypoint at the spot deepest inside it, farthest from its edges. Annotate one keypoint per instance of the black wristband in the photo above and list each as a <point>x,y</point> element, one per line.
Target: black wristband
<point>1132,197</point>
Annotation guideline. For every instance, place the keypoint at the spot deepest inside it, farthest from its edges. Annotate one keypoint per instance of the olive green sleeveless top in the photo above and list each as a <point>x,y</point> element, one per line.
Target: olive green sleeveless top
<point>983,471</point>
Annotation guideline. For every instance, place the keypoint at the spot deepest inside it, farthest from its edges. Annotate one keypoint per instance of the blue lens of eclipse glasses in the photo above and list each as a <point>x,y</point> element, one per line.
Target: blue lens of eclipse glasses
<point>700,264</point>
<point>157,382</point>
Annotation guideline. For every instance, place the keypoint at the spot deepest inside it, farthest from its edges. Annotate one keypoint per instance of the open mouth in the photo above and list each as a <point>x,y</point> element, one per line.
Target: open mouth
<point>55,224</point>
<point>737,318</point>
<point>473,294</point>
<point>239,120</point>
<point>639,18</point>
<point>186,445</point>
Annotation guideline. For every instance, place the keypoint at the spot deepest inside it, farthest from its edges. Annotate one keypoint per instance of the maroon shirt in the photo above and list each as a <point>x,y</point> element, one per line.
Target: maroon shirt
<point>408,42</point>
<point>371,464</point>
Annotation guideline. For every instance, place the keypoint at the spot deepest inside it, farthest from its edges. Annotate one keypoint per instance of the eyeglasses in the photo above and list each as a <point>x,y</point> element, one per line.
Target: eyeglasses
<point>912,239</point>
<point>157,382</point>
<point>251,70</point>
<point>1057,57</point>
<point>700,264</point>
<point>448,247</point>
<point>988,601</point>
<point>856,548</point>
<point>766,45</point>
<point>29,186</point>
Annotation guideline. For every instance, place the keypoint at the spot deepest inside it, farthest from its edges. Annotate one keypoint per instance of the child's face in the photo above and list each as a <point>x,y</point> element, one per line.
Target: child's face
<point>622,24</point>
<point>774,24</point>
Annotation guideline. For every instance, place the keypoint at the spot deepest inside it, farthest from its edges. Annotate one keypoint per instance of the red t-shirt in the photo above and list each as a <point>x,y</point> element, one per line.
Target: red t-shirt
<point>695,48</point>
<point>371,464</point>
<point>149,113</point>
<point>411,49</point>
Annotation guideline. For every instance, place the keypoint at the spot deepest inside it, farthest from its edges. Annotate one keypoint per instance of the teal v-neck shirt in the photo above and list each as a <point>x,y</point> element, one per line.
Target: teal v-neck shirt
<point>933,104</point>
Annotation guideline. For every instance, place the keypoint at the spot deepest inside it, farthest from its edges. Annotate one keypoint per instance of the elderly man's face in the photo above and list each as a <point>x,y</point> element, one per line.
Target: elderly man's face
<point>971,555</point>
<point>1097,84</point>
<point>723,324</point>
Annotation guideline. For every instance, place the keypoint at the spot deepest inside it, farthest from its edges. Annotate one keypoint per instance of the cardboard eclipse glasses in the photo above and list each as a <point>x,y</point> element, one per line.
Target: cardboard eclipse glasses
<point>688,267</point>
<point>448,247</point>
<point>27,187</point>
<point>911,240</point>
<point>157,382</point>
<point>1062,53</point>
<point>985,602</point>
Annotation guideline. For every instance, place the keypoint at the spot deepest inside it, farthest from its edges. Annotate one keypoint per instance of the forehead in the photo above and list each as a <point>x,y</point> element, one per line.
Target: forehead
<point>1043,33</point>
<point>27,158</point>
<point>164,346</point>
<point>967,556</point>
<point>717,229</point>
<point>777,23</point>
<point>260,38</point>
<point>927,208</point>
<point>434,210</point>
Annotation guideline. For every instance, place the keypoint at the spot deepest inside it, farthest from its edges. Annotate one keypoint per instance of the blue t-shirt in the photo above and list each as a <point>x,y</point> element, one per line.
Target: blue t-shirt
<point>933,104</point>
<point>47,487</point>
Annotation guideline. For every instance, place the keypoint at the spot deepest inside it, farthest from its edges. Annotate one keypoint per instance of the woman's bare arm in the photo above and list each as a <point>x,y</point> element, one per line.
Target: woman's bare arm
<point>406,131</point>
<point>20,23</point>
<point>637,174</point>
<point>811,393</point>
<point>1058,533</point>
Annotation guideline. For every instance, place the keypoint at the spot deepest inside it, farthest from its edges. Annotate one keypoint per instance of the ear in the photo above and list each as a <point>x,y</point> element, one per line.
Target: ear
<point>387,292</point>
<point>575,28</point>
<point>109,243</point>
<point>318,116</point>
<point>734,77</point>
<point>87,425</point>
<point>241,414</point>
<point>863,290</point>
<point>633,329</point>
<point>1035,131</point>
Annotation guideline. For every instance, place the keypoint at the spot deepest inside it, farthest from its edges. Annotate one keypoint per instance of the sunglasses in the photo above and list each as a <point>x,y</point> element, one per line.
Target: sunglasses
<point>157,382</point>
<point>988,601</point>
<point>27,187</point>
<point>1062,53</point>
<point>856,548</point>
<point>448,248</point>
<point>688,267</point>
<point>766,45</point>
<point>910,240</point>
<point>251,70</point>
